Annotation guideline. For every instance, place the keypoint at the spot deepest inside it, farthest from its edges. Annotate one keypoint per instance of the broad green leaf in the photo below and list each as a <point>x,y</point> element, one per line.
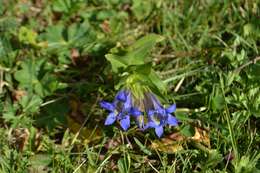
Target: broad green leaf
<point>34,75</point>
<point>80,35</point>
<point>9,112</point>
<point>218,103</point>
<point>142,9</point>
<point>136,54</point>
<point>30,104</point>
<point>155,79</point>
<point>54,36</point>
<point>27,75</point>
<point>144,69</point>
<point>188,130</point>
<point>116,62</point>
<point>62,5</point>
<point>39,162</point>
<point>182,116</point>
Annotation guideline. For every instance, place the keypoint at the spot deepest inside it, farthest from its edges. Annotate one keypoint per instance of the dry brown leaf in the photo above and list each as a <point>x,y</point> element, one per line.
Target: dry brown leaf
<point>19,138</point>
<point>201,136</point>
<point>18,94</point>
<point>105,26</point>
<point>173,142</point>
<point>167,145</point>
<point>176,136</point>
<point>74,54</point>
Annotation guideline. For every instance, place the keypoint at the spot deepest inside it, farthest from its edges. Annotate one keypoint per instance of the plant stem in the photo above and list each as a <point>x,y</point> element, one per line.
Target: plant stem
<point>228,119</point>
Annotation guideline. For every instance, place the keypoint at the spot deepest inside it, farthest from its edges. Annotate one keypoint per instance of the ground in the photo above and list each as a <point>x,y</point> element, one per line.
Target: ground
<point>59,59</point>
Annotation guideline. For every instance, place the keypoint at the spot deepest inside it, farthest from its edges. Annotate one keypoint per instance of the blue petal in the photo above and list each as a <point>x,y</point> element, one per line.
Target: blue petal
<point>125,122</point>
<point>121,96</point>
<point>171,108</point>
<point>128,102</point>
<point>172,120</point>
<point>156,102</point>
<point>159,131</point>
<point>111,118</point>
<point>135,112</point>
<point>107,106</point>
<point>151,124</point>
<point>161,111</point>
<point>150,112</point>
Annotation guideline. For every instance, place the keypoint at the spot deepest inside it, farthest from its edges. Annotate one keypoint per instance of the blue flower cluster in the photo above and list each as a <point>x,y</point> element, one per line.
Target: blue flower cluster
<point>153,114</point>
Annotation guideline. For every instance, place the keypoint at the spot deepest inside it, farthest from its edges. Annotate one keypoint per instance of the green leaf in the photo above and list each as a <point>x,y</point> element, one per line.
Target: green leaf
<point>144,69</point>
<point>182,116</point>
<point>188,130</point>
<point>80,35</point>
<point>142,147</point>
<point>27,75</point>
<point>39,162</point>
<point>36,76</point>
<point>218,103</point>
<point>158,83</point>
<point>30,104</point>
<point>124,164</point>
<point>9,112</point>
<point>54,37</point>
<point>62,5</point>
<point>136,54</point>
<point>142,9</point>
<point>116,62</point>
<point>27,36</point>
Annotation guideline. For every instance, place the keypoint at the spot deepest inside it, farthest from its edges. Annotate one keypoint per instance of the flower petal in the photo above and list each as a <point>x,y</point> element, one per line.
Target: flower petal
<point>156,102</point>
<point>151,124</point>
<point>150,112</point>
<point>111,118</point>
<point>159,131</point>
<point>161,112</point>
<point>128,102</point>
<point>135,112</point>
<point>121,96</point>
<point>171,108</point>
<point>107,106</point>
<point>125,122</point>
<point>172,120</point>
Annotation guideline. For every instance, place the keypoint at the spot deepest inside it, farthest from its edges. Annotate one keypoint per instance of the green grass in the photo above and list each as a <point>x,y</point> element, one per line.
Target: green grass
<point>53,74</point>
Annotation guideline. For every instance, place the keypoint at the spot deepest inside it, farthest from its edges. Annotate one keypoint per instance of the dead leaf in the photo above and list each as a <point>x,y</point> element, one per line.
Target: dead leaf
<point>177,136</point>
<point>18,94</point>
<point>201,136</point>
<point>20,137</point>
<point>167,145</point>
<point>105,26</point>
<point>74,54</point>
<point>173,142</point>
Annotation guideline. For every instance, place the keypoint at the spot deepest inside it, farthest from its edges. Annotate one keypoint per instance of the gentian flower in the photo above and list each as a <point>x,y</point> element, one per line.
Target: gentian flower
<point>158,116</point>
<point>120,109</point>
<point>154,115</point>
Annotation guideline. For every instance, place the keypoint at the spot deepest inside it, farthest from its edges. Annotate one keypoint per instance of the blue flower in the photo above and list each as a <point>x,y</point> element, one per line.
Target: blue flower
<point>154,115</point>
<point>158,116</point>
<point>120,109</point>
